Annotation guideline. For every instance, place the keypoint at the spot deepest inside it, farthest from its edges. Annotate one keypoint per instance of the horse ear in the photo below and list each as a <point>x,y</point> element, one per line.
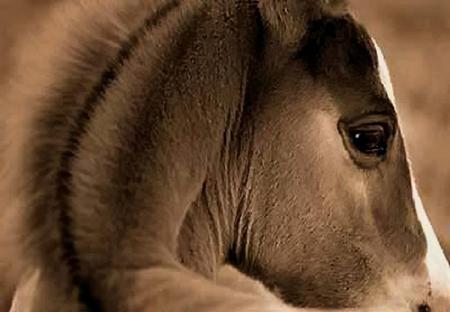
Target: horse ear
<point>287,20</point>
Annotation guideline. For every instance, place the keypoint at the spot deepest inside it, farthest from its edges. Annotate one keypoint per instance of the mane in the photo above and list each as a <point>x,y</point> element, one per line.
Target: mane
<point>77,39</point>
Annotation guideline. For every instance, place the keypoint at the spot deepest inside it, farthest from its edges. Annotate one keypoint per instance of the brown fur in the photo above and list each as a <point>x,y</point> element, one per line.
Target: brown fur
<point>173,137</point>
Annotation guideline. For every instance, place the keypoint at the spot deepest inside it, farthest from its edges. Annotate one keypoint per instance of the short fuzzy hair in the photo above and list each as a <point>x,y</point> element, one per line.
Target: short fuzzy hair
<point>287,20</point>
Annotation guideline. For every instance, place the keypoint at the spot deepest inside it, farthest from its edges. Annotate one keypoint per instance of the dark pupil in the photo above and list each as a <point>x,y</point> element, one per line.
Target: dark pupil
<point>370,141</point>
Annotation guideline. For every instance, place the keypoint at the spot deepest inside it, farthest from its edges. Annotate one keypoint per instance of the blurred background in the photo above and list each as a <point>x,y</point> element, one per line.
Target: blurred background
<point>415,37</point>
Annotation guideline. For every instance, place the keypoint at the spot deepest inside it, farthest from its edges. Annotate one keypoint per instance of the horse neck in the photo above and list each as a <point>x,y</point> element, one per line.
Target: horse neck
<point>214,227</point>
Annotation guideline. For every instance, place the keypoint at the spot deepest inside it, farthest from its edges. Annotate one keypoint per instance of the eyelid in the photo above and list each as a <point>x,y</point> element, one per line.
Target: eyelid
<point>369,127</point>
<point>384,127</point>
<point>364,123</point>
<point>369,119</point>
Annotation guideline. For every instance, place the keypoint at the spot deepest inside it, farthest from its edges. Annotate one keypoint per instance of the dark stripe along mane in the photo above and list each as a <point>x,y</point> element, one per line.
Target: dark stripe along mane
<point>64,129</point>
<point>81,117</point>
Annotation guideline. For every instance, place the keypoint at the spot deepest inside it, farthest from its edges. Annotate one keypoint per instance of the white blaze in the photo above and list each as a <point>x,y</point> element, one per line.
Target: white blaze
<point>437,264</point>
<point>24,295</point>
<point>438,267</point>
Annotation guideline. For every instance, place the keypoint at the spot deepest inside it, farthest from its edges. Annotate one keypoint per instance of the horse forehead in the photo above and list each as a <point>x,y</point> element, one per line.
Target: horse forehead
<point>341,53</point>
<point>339,48</point>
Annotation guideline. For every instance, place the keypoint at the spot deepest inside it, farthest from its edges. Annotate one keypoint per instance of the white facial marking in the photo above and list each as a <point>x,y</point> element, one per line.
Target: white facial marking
<point>385,76</point>
<point>24,295</point>
<point>437,265</point>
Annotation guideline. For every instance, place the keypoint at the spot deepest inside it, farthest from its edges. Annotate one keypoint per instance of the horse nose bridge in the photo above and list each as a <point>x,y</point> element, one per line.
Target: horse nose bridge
<point>409,293</point>
<point>434,303</point>
<point>440,303</point>
<point>438,270</point>
<point>439,299</point>
<point>440,292</point>
<point>435,260</point>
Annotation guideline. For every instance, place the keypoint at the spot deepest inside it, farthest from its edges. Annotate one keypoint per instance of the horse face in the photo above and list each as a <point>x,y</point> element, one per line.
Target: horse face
<point>334,221</point>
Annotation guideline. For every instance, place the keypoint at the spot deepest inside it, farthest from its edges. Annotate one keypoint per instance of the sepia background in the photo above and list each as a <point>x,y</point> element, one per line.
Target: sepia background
<point>415,36</point>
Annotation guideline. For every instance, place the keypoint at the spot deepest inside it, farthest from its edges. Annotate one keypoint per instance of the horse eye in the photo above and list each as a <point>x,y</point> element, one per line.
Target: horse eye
<point>371,140</point>
<point>368,139</point>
